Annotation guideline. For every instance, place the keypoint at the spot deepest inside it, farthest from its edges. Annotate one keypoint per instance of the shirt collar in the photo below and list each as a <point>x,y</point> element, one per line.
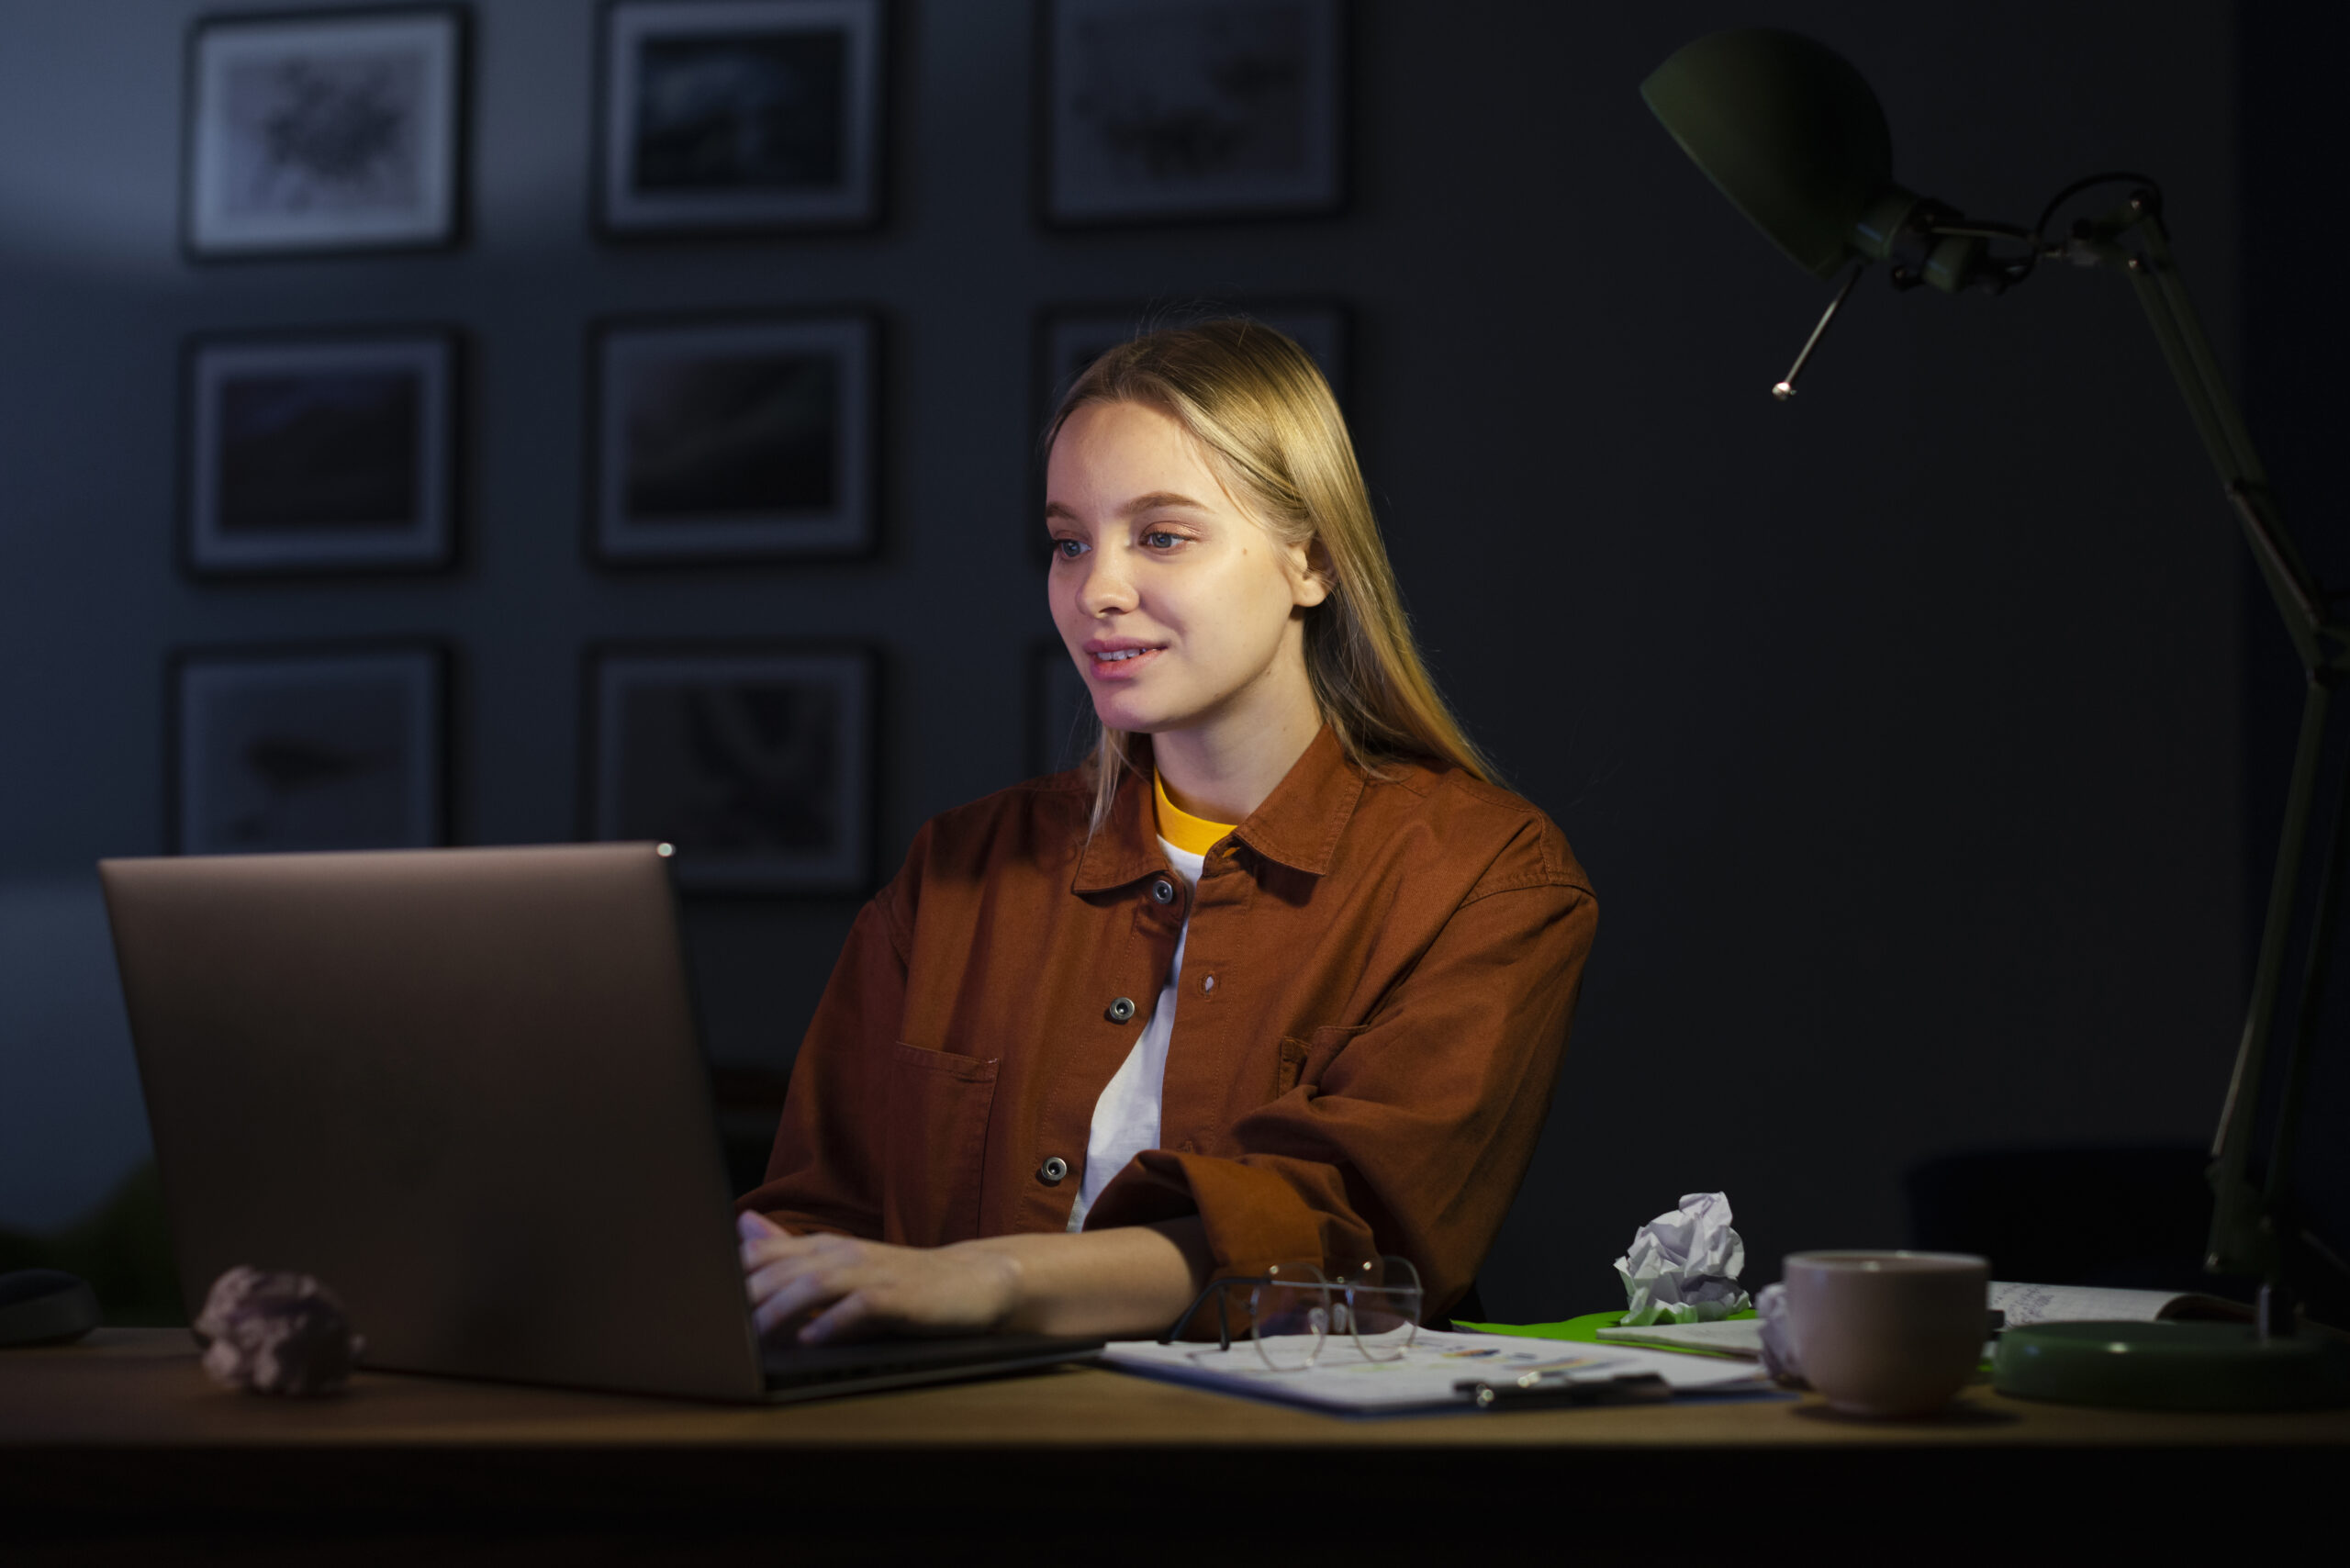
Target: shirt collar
<point>1298,824</point>
<point>1195,835</point>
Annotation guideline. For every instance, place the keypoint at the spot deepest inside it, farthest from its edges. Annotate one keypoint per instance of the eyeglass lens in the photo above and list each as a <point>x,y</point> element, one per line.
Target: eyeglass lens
<point>1379,1307</point>
<point>1375,1307</point>
<point>1290,1315</point>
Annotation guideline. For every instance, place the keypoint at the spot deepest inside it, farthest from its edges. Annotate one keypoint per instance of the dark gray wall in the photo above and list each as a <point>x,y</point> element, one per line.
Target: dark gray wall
<point>1897,726</point>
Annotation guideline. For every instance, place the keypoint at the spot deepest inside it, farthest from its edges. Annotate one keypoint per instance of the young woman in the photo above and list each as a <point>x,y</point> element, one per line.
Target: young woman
<point>1278,973</point>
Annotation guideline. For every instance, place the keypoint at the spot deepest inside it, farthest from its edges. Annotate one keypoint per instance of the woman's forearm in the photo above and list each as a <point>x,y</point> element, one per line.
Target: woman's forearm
<point>1126,1283</point>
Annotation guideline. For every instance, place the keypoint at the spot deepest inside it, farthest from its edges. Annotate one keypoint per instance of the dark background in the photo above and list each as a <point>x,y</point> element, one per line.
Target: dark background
<point>1917,735</point>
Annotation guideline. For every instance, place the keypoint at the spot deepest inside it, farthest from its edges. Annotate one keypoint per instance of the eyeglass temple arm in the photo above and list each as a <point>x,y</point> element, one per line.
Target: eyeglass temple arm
<point>1222,1329</point>
<point>1223,1314</point>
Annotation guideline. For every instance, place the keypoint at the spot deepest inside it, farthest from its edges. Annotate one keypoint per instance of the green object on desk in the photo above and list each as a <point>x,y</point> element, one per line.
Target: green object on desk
<point>2172,1366</point>
<point>1584,1330</point>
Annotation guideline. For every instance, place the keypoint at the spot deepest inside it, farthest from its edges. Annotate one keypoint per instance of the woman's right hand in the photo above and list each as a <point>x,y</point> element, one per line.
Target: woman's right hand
<point>846,1288</point>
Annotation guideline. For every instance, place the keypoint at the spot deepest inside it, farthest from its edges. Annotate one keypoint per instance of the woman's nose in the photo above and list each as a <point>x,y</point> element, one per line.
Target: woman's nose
<point>1106,588</point>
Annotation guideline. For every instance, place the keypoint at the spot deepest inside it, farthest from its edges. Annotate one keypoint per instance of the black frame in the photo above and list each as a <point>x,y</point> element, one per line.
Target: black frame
<point>1043,114</point>
<point>451,234</point>
<point>439,729</point>
<point>863,468</point>
<point>861,840</point>
<point>878,128</point>
<point>447,489</point>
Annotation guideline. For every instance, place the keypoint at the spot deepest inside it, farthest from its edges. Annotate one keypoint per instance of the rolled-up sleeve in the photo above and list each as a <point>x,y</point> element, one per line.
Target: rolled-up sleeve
<point>1410,1132</point>
<point>825,1172</point>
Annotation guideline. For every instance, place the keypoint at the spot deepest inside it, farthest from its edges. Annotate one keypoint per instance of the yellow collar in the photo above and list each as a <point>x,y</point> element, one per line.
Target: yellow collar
<point>1195,835</point>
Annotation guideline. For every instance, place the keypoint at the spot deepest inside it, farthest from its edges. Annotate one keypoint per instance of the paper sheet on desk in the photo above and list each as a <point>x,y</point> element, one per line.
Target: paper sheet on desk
<point>2026,1303</point>
<point>1426,1376</point>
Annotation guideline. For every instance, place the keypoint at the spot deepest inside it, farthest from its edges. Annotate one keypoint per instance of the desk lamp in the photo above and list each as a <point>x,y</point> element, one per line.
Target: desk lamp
<point>1791,135</point>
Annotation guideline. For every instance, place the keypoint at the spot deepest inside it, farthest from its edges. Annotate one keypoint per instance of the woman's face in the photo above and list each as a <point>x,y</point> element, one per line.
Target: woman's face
<point>1178,606</point>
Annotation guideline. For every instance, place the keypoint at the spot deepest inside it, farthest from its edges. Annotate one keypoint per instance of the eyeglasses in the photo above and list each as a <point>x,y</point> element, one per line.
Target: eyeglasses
<point>1292,1311</point>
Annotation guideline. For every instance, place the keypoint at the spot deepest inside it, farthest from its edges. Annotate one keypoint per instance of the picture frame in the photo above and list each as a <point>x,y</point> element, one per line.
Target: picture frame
<point>721,117</point>
<point>1189,110</point>
<point>314,133</point>
<point>733,438</point>
<point>318,453</point>
<point>1071,337</point>
<point>1062,728</point>
<point>756,760</point>
<point>307,747</point>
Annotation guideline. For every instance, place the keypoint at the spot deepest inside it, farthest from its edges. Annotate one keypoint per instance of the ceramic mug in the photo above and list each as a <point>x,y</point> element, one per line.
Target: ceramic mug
<point>1886,1333</point>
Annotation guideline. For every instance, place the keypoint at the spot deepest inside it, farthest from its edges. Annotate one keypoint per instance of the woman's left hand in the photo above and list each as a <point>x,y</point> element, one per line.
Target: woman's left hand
<point>860,1288</point>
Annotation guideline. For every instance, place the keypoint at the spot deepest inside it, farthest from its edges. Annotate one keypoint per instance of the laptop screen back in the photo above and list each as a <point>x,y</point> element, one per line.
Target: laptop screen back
<point>462,1087</point>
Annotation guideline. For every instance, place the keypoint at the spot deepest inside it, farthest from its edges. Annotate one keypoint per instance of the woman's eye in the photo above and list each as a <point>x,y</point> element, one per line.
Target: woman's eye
<point>1159,539</point>
<point>1068,549</point>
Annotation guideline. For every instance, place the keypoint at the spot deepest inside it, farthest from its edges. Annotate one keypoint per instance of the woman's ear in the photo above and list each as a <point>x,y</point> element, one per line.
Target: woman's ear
<point>1309,575</point>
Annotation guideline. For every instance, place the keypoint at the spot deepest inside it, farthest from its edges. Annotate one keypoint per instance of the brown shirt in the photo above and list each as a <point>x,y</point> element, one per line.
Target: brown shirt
<point>1380,975</point>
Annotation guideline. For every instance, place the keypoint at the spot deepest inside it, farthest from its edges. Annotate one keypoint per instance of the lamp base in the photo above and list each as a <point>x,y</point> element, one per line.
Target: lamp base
<point>2171,1366</point>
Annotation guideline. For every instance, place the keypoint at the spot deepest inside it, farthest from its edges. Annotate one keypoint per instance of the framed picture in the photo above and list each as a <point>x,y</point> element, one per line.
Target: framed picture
<point>1061,725</point>
<point>755,762</point>
<point>738,439</point>
<point>1187,110</point>
<point>1069,337</point>
<point>332,130</point>
<point>323,747</point>
<point>739,117</point>
<point>327,454</point>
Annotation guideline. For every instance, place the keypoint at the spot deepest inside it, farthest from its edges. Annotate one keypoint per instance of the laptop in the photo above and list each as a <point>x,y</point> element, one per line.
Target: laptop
<point>464,1087</point>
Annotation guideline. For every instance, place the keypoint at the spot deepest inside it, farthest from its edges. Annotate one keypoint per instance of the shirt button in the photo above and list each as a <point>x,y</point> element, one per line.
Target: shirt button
<point>1207,982</point>
<point>1052,1170</point>
<point>1163,891</point>
<point>1121,1010</point>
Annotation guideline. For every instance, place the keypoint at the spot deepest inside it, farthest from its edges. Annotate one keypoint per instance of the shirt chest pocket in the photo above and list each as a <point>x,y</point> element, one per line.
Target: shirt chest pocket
<point>935,1132</point>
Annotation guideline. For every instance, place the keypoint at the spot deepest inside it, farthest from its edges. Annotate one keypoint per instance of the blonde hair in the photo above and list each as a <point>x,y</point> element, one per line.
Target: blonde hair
<point>1260,408</point>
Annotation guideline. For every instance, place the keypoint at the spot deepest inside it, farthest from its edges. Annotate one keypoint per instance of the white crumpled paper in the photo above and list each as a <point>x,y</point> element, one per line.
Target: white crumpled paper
<point>1778,1344</point>
<point>1682,1267</point>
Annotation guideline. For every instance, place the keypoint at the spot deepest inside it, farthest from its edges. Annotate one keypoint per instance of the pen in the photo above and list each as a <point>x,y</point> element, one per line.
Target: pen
<point>1565,1388</point>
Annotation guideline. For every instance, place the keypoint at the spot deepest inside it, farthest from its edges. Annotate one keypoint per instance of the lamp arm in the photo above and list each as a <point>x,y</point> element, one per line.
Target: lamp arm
<point>2196,368</point>
<point>2278,1196</point>
<point>2241,1243</point>
<point>2252,1225</point>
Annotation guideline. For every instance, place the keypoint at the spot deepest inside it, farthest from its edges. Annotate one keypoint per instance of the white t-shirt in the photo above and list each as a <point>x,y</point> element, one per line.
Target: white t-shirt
<point>1126,1119</point>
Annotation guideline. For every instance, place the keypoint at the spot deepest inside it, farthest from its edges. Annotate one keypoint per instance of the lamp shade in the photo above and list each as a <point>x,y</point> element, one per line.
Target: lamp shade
<point>1793,136</point>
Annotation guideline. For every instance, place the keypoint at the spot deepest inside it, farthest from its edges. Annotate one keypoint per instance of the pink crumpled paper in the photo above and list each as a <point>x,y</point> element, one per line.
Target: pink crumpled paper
<point>276,1333</point>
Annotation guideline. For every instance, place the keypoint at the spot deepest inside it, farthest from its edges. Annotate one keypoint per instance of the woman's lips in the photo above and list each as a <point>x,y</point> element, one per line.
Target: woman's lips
<point>1122,664</point>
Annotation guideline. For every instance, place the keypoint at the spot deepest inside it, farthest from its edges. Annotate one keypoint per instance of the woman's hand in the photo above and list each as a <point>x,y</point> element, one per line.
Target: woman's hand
<point>1121,1283</point>
<point>857,1289</point>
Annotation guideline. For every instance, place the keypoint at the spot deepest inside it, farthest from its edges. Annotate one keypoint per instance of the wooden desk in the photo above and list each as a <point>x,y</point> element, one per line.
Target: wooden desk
<point>119,1448</point>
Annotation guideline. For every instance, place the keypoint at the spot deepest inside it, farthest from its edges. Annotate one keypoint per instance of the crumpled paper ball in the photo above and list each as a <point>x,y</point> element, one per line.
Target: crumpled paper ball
<point>276,1333</point>
<point>1778,1344</point>
<point>1682,1267</point>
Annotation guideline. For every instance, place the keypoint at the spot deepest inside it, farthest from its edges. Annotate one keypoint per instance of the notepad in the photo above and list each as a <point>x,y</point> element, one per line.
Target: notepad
<point>2026,1304</point>
<point>1429,1376</point>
